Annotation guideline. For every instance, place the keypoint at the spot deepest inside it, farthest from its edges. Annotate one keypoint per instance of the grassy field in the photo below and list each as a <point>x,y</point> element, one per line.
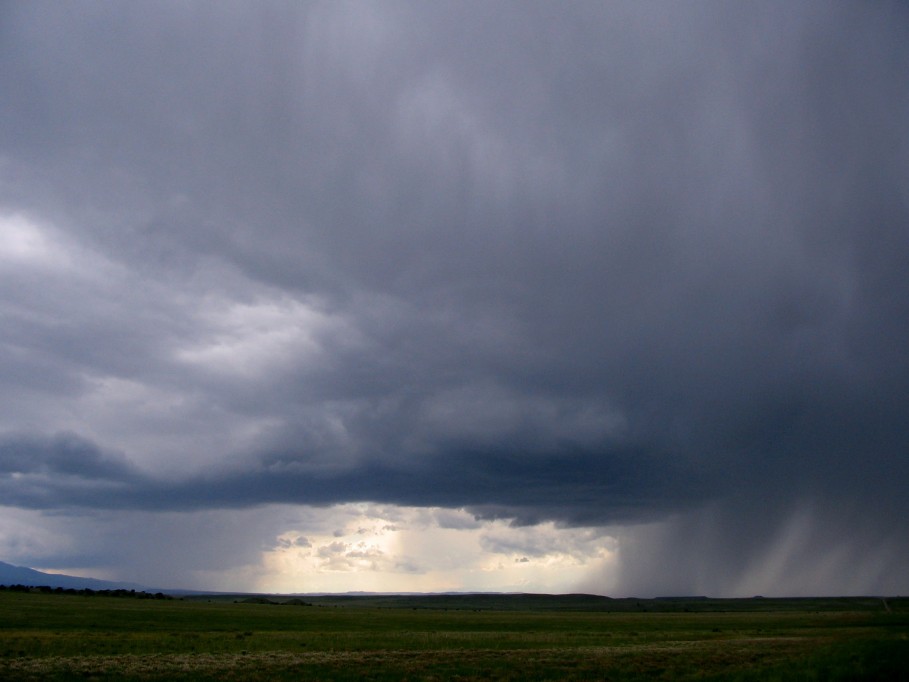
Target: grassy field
<point>69,637</point>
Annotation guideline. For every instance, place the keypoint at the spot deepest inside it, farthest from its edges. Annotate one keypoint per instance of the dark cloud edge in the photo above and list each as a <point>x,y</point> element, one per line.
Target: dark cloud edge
<point>573,487</point>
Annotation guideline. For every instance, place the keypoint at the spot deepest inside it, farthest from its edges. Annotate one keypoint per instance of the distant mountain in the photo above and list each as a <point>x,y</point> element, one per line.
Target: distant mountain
<point>19,575</point>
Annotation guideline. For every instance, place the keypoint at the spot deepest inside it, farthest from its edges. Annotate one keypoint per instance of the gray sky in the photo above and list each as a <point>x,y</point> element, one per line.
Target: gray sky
<point>631,273</point>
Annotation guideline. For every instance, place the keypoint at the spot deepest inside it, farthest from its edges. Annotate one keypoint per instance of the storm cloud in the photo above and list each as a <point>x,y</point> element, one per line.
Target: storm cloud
<point>600,264</point>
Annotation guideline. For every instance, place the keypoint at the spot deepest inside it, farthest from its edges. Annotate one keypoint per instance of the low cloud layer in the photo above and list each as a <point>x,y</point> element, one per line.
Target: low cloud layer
<point>610,265</point>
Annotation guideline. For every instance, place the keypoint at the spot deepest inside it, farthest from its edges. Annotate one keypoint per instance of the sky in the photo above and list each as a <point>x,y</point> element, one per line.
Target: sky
<point>586,296</point>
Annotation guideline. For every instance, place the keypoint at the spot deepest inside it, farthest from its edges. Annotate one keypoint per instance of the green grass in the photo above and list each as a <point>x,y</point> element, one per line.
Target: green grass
<point>472,637</point>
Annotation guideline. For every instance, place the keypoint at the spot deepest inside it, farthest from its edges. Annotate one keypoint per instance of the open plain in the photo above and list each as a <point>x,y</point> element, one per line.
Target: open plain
<point>440,637</point>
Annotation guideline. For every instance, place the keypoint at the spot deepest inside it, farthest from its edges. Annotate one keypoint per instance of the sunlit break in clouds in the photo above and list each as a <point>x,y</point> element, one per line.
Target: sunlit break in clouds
<point>405,296</point>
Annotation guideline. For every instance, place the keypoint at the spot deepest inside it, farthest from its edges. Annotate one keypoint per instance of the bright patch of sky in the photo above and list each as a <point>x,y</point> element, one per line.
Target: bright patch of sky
<point>350,547</point>
<point>401,549</point>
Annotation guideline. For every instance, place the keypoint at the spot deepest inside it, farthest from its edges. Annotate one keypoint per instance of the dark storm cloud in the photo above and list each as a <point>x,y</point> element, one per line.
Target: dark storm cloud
<point>49,473</point>
<point>596,263</point>
<point>64,454</point>
<point>579,487</point>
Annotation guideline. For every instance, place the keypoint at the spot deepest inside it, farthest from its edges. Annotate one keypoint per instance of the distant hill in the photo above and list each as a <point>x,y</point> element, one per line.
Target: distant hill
<point>19,575</point>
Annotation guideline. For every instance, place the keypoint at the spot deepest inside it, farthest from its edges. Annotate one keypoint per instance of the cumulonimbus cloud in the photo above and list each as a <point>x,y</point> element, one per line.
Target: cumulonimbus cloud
<point>600,266</point>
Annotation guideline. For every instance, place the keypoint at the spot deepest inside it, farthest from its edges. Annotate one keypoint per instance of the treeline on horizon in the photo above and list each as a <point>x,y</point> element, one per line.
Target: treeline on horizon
<point>84,592</point>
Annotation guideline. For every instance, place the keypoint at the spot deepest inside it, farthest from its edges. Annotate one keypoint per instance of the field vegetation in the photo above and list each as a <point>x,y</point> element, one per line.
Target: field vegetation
<point>49,636</point>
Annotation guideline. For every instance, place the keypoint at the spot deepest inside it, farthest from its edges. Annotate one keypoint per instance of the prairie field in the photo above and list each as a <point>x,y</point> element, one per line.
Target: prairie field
<point>450,637</point>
